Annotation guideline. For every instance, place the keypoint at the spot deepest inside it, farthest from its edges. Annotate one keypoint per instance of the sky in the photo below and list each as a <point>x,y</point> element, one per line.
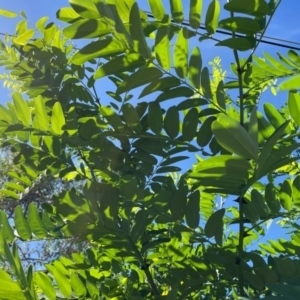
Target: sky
<point>284,26</point>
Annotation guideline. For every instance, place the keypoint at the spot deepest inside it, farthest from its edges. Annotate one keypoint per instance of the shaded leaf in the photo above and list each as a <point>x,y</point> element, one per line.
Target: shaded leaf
<point>86,9</point>
<point>190,124</point>
<point>214,226</point>
<point>236,43</point>
<point>157,9</point>
<point>171,122</point>
<point>212,17</point>
<point>177,11</point>
<point>192,212</point>
<point>155,118</point>
<point>22,109</point>
<point>195,66</point>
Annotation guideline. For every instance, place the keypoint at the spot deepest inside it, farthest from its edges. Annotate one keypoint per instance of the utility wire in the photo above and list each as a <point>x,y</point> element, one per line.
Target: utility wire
<point>264,41</point>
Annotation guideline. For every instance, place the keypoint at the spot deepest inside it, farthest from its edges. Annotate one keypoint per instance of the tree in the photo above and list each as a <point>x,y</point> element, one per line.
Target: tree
<point>154,233</point>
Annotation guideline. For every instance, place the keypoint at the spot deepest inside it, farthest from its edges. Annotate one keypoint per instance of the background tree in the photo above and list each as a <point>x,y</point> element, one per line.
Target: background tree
<point>154,233</point>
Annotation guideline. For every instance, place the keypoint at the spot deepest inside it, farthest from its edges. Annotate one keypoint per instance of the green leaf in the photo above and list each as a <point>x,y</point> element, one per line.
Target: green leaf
<point>100,48</point>
<point>155,117</point>
<point>177,11</point>
<point>205,83</point>
<point>258,202</point>
<point>86,9</point>
<point>22,109</point>
<point>153,244</point>
<point>86,29</point>
<point>131,117</point>
<point>296,191</point>
<point>274,117</point>
<point>23,38</point>
<point>157,9</point>
<point>62,281</point>
<point>57,119</point>
<point>162,47</point>
<point>205,133</point>
<point>264,127</point>
<point>35,223</point>
<point>137,33</point>
<point>294,106</point>
<point>181,53</point>
<point>67,14</point>
<point>254,280</point>
<point>220,94</point>
<point>288,291</point>
<point>190,124</point>
<point>44,282</point>
<point>171,122</point>
<point>267,149</point>
<point>236,43</point>
<point>112,118</point>
<point>233,137</point>
<point>178,204</point>
<point>182,91</point>
<point>285,194</point>
<point>214,226</point>
<point>77,285</point>
<point>212,17</point>
<point>7,13</point>
<point>290,83</point>
<point>41,117</point>
<point>195,66</point>
<point>241,25</point>
<point>7,229</point>
<point>192,212</point>
<point>272,201</point>
<point>128,187</point>
<point>5,114</point>
<point>139,78</point>
<point>21,224</point>
<point>189,103</point>
<point>195,13</point>
<point>253,127</point>
<point>161,84</point>
<point>252,7</point>
<point>119,64</point>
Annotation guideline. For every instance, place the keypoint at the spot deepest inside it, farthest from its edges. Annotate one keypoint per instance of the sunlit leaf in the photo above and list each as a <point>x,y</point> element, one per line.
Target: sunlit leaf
<point>162,47</point>
<point>8,14</point>
<point>58,119</point>
<point>22,109</point>
<point>177,10</point>
<point>181,53</point>
<point>157,9</point>
<point>195,13</point>
<point>240,24</point>
<point>285,194</point>
<point>294,106</point>
<point>86,9</point>
<point>212,16</point>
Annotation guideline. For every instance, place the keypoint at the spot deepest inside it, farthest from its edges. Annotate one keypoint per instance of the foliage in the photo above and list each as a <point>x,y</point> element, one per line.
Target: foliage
<point>154,233</point>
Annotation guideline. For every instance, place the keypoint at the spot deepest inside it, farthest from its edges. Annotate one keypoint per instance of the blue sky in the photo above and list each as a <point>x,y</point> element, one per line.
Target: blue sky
<point>284,26</point>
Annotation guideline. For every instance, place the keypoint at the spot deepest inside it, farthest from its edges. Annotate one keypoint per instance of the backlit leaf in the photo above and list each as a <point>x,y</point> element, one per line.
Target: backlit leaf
<point>67,14</point>
<point>195,66</point>
<point>21,224</point>
<point>252,7</point>
<point>177,11</point>
<point>290,83</point>
<point>98,48</point>
<point>195,13</point>
<point>8,14</point>
<point>35,222</point>
<point>233,137</point>
<point>162,47</point>
<point>294,106</point>
<point>86,8</point>
<point>58,119</point>
<point>157,9</point>
<point>44,282</point>
<point>137,33</point>
<point>296,190</point>
<point>41,116</point>
<point>22,109</point>
<point>24,37</point>
<point>274,117</point>
<point>112,118</point>
<point>181,53</point>
<point>212,17</point>
<point>86,29</point>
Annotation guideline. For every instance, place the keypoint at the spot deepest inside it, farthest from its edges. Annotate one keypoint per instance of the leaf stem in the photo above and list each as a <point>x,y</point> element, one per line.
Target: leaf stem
<point>144,267</point>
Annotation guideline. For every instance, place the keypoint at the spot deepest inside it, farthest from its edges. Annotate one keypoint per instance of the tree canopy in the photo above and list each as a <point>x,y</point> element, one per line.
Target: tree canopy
<point>183,171</point>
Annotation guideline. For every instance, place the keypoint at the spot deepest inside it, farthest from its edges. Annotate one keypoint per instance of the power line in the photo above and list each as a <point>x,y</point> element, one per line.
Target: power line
<point>264,41</point>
